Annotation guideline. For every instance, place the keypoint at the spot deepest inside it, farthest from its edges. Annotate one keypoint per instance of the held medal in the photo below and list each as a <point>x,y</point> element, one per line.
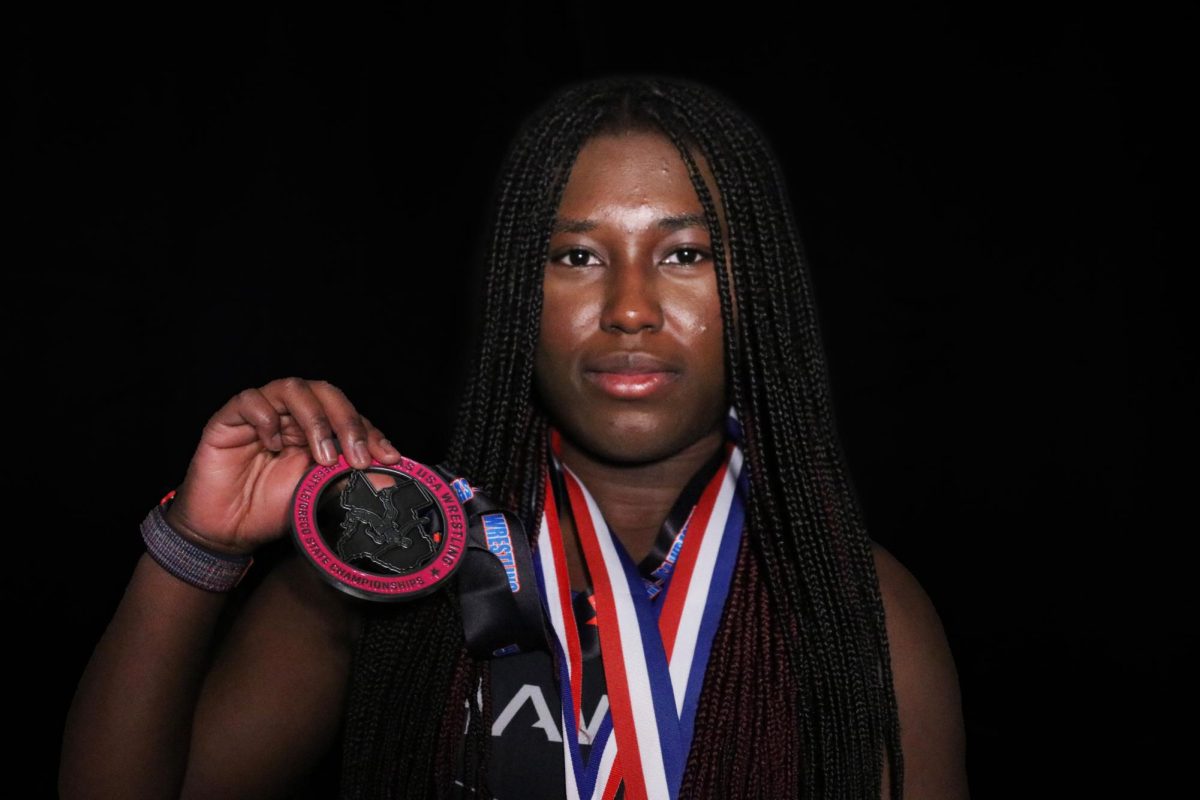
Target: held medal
<point>389,532</point>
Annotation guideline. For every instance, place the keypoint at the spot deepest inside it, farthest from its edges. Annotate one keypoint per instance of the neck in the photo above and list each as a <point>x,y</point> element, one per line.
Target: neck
<point>636,499</point>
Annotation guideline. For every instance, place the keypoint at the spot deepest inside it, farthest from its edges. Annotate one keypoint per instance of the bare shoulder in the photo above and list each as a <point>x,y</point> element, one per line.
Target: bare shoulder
<point>271,705</point>
<point>926,681</point>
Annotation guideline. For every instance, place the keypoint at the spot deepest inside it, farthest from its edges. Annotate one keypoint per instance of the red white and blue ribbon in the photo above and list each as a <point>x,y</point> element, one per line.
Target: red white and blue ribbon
<point>655,642</point>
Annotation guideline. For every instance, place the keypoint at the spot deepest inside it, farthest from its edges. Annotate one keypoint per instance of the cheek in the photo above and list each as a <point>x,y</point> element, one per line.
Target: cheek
<point>546,357</point>
<point>699,317</point>
<point>708,337</point>
<point>569,316</point>
<point>555,337</point>
<point>547,380</point>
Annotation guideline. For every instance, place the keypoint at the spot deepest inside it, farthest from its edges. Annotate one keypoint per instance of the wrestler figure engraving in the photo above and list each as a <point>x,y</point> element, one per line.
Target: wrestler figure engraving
<point>379,524</point>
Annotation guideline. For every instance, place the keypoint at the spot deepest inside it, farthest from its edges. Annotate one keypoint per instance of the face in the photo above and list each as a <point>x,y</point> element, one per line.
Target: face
<point>630,361</point>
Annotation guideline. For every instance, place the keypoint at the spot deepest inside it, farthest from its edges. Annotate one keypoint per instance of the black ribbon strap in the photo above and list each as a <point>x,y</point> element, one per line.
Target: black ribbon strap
<point>660,556</point>
<point>497,585</point>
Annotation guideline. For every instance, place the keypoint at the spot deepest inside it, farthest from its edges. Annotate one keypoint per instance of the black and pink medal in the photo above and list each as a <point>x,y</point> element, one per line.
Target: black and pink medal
<point>395,532</point>
<point>388,532</point>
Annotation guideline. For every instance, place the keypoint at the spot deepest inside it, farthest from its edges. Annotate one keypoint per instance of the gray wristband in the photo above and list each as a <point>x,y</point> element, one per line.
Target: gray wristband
<point>215,572</point>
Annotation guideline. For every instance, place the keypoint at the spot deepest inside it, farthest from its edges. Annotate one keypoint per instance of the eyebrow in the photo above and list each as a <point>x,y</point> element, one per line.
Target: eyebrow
<point>672,223</point>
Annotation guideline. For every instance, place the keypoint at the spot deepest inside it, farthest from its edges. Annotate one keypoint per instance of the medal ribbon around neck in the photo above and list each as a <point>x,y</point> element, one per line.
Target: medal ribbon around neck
<point>654,652</point>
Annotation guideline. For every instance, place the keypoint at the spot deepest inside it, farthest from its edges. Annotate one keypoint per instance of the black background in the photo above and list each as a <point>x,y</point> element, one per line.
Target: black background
<point>207,201</point>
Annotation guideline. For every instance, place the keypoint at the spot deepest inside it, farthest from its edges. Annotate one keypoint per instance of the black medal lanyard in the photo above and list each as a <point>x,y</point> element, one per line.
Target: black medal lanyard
<point>660,561</point>
<point>497,586</point>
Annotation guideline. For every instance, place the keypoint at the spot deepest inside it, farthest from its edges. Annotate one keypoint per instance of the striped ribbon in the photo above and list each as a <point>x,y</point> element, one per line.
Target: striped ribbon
<point>654,643</point>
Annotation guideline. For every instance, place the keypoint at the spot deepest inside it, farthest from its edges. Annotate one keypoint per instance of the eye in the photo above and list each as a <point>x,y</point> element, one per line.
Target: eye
<point>575,257</point>
<point>691,255</point>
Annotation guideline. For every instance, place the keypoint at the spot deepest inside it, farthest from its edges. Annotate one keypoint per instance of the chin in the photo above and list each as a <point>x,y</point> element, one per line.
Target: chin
<point>631,438</point>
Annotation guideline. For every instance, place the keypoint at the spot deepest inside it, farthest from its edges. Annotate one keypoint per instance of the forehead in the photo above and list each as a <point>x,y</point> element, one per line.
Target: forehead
<point>631,170</point>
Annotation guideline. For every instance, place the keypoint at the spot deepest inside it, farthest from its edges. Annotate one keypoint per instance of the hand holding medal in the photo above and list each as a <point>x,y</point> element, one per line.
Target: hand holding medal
<point>373,523</point>
<point>235,496</point>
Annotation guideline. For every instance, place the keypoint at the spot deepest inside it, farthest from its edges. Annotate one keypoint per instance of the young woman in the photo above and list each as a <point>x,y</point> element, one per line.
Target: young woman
<point>650,356</point>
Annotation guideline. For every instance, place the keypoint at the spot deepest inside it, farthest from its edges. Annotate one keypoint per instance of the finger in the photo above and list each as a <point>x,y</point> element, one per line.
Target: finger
<point>297,397</point>
<point>347,423</point>
<point>293,434</point>
<point>380,447</point>
<point>250,407</point>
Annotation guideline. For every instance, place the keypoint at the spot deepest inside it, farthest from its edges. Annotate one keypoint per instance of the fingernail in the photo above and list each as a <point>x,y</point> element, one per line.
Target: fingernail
<point>392,451</point>
<point>328,451</point>
<point>276,442</point>
<point>360,452</point>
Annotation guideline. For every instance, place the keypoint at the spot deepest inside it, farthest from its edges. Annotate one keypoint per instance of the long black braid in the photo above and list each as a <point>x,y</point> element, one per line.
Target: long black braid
<point>804,618</point>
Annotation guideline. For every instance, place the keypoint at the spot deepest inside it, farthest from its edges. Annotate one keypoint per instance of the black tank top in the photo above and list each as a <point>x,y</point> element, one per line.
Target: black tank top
<point>526,761</point>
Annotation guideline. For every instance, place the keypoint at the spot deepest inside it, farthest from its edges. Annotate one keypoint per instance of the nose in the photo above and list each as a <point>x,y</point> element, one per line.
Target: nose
<point>632,302</point>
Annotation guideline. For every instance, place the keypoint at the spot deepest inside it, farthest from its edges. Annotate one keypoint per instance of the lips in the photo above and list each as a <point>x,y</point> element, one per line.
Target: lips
<point>629,375</point>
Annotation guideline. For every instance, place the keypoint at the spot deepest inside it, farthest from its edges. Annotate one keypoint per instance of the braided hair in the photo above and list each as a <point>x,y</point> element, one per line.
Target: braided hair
<point>798,698</point>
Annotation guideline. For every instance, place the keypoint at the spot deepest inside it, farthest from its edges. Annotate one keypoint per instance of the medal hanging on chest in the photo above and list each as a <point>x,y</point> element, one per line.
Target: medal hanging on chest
<point>655,636</point>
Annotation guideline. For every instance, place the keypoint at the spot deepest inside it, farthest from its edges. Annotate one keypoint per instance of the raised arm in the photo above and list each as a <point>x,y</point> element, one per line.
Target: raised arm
<point>153,716</point>
<point>271,705</point>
